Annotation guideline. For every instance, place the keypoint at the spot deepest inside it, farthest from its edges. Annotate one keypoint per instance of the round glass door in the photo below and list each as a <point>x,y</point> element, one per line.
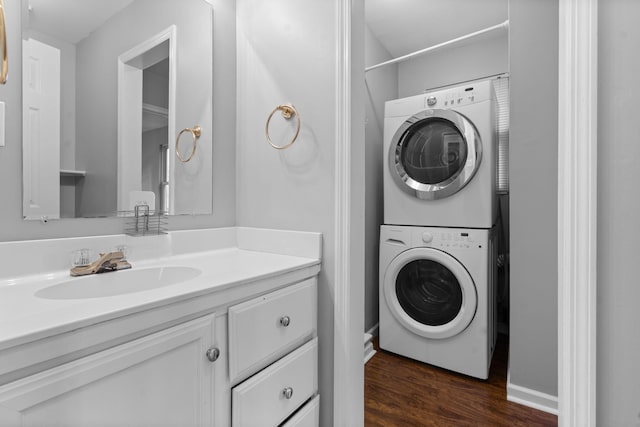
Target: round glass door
<point>430,293</point>
<point>435,153</point>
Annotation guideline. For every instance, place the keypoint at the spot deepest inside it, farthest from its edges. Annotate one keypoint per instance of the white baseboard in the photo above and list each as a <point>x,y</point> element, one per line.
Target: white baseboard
<point>368,345</point>
<point>374,330</point>
<point>532,398</point>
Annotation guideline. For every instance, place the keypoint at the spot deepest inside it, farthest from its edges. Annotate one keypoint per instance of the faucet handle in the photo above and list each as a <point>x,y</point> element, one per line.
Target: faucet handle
<point>81,257</point>
<point>124,249</point>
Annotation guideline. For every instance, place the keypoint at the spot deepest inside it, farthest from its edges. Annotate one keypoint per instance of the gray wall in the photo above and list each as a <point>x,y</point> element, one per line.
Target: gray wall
<point>533,349</point>
<point>12,227</point>
<point>381,85</point>
<point>618,339</point>
<point>287,53</point>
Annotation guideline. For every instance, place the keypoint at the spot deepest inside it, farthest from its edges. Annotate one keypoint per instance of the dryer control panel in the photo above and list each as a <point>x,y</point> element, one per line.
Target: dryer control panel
<point>458,96</point>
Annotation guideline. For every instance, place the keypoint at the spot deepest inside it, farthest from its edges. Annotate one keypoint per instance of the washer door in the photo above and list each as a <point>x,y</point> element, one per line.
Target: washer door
<point>430,293</point>
<point>434,154</point>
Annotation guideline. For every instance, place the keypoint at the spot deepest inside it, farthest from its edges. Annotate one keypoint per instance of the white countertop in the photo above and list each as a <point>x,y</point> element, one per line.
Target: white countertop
<point>25,317</point>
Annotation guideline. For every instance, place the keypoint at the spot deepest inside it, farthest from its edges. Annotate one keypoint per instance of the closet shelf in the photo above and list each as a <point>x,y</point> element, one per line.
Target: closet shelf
<point>502,26</point>
<point>154,117</point>
<point>73,173</point>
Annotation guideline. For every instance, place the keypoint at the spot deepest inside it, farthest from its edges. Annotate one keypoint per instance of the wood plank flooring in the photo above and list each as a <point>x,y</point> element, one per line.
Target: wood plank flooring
<point>400,392</point>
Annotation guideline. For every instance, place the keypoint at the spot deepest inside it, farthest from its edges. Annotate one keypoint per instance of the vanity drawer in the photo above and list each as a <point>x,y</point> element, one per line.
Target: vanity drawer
<point>265,328</point>
<point>307,416</point>
<point>269,397</point>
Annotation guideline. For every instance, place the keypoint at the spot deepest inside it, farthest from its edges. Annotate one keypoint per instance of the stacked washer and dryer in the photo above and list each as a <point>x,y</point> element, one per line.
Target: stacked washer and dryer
<point>438,244</point>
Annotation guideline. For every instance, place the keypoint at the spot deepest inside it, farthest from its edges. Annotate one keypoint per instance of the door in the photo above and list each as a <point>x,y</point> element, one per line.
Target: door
<point>40,130</point>
<point>430,293</point>
<point>434,154</point>
<point>164,379</point>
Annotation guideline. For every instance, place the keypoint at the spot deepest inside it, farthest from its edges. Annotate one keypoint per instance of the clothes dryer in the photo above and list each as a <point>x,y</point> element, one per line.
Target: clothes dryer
<point>437,296</point>
<point>440,158</point>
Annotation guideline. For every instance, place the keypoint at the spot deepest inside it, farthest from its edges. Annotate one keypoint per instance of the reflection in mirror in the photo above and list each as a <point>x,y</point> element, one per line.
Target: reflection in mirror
<point>107,86</point>
<point>4,65</point>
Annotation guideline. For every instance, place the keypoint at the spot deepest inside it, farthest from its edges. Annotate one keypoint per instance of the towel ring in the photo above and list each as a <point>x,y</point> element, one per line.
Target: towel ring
<point>196,131</point>
<point>4,68</point>
<point>288,111</point>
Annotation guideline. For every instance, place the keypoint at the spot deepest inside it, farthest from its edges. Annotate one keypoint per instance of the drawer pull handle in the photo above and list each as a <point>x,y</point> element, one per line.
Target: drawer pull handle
<point>285,320</point>
<point>213,354</point>
<point>287,393</point>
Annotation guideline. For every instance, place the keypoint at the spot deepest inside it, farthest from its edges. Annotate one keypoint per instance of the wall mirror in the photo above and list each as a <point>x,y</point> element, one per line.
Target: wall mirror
<point>108,85</point>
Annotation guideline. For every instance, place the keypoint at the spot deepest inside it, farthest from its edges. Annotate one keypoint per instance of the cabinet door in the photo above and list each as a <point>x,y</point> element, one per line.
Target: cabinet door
<point>164,379</point>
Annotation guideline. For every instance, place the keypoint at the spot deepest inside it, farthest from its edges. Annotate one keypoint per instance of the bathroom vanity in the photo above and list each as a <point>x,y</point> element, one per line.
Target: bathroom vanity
<point>233,344</point>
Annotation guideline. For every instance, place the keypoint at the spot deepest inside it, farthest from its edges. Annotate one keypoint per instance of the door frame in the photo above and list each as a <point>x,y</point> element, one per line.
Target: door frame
<point>577,209</point>
<point>577,205</point>
<point>131,65</point>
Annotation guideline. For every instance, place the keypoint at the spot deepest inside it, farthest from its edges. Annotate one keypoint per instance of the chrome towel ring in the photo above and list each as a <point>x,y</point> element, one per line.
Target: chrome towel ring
<point>195,131</point>
<point>288,111</point>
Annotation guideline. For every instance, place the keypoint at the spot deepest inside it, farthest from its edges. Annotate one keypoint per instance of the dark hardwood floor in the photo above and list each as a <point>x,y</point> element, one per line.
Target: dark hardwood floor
<point>400,392</point>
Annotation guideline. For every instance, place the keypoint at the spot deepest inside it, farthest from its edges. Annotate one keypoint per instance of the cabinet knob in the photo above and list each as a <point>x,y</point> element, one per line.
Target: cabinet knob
<point>213,354</point>
<point>287,392</point>
<point>285,320</point>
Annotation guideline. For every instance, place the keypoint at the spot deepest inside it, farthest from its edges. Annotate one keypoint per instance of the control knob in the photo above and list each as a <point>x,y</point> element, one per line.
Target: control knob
<point>427,237</point>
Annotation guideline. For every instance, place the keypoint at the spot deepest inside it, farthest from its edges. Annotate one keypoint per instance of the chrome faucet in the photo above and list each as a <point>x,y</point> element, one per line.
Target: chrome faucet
<point>110,261</point>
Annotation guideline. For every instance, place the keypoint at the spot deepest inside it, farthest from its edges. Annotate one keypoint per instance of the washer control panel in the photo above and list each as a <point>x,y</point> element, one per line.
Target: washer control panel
<point>448,239</point>
<point>427,237</point>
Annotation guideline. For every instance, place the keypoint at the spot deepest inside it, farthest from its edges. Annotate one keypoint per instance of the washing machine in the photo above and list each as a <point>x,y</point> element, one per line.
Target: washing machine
<point>437,296</point>
<point>440,158</point>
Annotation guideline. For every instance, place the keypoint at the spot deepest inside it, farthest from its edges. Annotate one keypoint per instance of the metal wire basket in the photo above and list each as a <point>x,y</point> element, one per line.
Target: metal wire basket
<point>143,222</point>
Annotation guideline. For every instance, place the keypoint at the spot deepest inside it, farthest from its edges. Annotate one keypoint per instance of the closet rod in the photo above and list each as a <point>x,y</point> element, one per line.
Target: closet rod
<point>503,25</point>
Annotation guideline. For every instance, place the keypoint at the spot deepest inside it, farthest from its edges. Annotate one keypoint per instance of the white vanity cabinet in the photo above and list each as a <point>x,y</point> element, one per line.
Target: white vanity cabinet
<point>221,359</point>
<point>163,379</point>
<point>235,342</point>
<point>273,338</point>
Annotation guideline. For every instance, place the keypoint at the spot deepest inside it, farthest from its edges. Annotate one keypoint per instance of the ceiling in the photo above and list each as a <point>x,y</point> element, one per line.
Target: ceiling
<point>402,26</point>
<point>405,26</point>
<point>71,20</point>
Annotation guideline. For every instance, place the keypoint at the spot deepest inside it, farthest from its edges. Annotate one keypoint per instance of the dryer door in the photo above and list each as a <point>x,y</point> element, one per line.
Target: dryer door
<point>430,293</point>
<point>434,154</point>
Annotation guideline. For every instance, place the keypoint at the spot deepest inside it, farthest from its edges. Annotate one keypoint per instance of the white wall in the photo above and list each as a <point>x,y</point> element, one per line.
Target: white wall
<point>12,227</point>
<point>381,85</point>
<point>618,313</point>
<point>287,53</point>
<point>533,173</point>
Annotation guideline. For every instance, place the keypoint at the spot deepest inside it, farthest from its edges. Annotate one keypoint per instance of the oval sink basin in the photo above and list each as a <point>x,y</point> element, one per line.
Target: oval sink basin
<point>118,282</point>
